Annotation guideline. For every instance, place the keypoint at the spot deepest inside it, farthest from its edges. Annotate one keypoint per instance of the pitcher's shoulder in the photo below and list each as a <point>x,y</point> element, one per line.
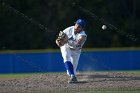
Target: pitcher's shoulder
<point>70,28</point>
<point>83,33</point>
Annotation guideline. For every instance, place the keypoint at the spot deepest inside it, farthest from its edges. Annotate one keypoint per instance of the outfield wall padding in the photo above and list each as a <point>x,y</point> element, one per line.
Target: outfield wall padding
<point>20,62</point>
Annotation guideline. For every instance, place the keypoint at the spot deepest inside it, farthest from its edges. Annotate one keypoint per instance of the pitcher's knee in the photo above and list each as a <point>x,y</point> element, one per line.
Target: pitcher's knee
<point>66,59</point>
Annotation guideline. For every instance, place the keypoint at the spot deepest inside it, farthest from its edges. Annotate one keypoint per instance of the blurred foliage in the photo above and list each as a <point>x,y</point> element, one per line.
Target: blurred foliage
<point>18,32</point>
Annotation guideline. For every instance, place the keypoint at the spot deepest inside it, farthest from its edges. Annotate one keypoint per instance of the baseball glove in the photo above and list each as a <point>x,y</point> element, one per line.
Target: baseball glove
<point>61,39</point>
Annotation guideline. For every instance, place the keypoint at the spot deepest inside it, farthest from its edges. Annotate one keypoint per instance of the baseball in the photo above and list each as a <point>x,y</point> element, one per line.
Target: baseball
<point>104,27</point>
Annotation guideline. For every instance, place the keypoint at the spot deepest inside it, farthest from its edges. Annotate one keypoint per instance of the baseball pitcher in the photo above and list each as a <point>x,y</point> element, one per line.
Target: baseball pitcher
<point>70,42</point>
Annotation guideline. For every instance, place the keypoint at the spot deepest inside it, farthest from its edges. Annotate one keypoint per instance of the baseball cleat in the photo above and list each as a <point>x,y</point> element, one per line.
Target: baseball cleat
<point>73,79</point>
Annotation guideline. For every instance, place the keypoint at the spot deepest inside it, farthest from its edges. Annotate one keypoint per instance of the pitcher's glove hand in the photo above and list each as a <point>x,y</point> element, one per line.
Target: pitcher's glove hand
<point>61,39</point>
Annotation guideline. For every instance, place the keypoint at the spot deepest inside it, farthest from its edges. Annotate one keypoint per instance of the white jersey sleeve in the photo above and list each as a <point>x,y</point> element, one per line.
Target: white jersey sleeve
<point>68,31</point>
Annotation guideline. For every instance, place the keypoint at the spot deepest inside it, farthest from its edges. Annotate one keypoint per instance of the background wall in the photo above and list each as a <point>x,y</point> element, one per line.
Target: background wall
<point>33,61</point>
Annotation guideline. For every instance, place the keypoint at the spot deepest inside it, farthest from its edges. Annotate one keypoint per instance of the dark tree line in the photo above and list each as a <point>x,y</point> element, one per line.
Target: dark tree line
<point>23,22</point>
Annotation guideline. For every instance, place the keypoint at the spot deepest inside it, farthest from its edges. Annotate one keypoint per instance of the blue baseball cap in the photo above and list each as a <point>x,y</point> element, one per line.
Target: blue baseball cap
<point>81,22</point>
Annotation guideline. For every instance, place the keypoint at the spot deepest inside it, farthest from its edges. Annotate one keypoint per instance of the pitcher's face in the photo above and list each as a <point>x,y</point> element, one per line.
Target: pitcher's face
<point>77,28</point>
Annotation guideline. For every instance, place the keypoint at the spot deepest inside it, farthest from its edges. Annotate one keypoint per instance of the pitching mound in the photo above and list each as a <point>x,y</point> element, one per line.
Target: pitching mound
<point>87,81</point>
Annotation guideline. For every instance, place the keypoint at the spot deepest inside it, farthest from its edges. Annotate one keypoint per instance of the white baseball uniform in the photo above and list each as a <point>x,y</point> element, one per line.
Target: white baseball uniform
<point>71,51</point>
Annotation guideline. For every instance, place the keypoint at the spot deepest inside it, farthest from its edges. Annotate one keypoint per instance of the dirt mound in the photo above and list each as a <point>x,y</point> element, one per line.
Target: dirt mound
<point>87,81</point>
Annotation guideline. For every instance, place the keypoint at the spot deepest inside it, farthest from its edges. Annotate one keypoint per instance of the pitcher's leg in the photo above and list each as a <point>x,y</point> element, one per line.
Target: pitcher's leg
<point>66,54</point>
<point>69,68</point>
<point>74,59</point>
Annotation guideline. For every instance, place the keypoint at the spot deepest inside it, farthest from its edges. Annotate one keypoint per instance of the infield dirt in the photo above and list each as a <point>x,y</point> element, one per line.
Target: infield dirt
<point>58,82</point>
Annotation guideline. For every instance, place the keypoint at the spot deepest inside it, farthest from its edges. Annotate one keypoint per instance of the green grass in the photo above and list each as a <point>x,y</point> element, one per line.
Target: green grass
<point>20,75</point>
<point>111,92</point>
<point>135,72</point>
<point>128,71</point>
<point>135,91</point>
<point>16,75</point>
<point>90,91</point>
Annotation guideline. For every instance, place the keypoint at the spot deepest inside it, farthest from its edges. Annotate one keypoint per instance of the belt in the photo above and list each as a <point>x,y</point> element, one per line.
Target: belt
<point>75,49</point>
